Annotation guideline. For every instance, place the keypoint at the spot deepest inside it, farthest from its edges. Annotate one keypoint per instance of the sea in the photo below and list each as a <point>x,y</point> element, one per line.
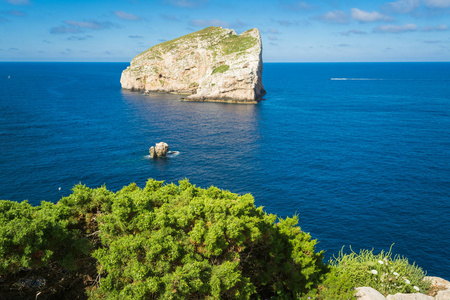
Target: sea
<point>360,152</point>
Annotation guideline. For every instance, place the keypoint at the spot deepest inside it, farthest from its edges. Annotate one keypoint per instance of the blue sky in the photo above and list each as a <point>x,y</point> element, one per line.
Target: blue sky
<point>292,30</point>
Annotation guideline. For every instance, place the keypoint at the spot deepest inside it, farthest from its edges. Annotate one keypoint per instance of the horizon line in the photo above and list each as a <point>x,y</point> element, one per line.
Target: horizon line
<point>278,62</point>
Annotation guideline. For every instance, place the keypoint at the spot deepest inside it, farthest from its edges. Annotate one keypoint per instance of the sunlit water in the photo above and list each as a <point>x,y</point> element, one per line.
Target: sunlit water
<point>361,152</point>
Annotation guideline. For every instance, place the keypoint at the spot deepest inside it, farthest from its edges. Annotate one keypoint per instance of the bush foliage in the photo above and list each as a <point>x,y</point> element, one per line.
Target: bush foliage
<point>163,242</point>
<point>177,242</point>
<point>32,237</point>
<point>384,273</point>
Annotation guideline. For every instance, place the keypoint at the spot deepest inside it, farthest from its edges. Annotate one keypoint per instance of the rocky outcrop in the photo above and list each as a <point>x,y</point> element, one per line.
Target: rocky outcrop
<point>440,285</point>
<point>368,293</point>
<point>440,289</point>
<point>438,282</point>
<point>159,150</point>
<point>415,296</point>
<point>213,64</point>
<point>443,295</point>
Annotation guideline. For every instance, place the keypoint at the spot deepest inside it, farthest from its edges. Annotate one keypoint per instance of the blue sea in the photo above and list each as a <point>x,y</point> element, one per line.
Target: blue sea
<point>359,151</point>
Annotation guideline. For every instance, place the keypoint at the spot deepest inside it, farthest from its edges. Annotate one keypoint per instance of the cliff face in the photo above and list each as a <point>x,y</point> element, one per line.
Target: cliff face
<point>213,64</point>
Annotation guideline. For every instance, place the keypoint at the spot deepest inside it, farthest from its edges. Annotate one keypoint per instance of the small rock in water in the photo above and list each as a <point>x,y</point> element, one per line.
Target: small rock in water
<point>159,150</point>
<point>152,152</point>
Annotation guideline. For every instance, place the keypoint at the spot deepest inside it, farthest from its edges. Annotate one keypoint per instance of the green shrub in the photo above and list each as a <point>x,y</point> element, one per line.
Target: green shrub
<point>177,242</point>
<point>221,69</point>
<point>335,286</point>
<point>32,237</point>
<point>386,274</point>
<point>47,249</point>
<point>238,43</point>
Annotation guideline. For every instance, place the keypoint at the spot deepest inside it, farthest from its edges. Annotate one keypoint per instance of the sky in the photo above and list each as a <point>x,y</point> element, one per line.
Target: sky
<point>291,30</point>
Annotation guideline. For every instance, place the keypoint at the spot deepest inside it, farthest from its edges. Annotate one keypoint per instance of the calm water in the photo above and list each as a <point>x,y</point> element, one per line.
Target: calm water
<point>363,159</point>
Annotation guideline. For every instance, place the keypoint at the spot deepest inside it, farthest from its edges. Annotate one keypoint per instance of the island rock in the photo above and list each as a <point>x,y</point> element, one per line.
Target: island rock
<point>213,64</point>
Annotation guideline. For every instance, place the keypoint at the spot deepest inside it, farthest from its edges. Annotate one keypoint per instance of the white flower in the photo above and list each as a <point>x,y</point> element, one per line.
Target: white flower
<point>407,281</point>
<point>395,273</point>
<point>374,272</point>
<point>380,262</point>
<point>416,288</point>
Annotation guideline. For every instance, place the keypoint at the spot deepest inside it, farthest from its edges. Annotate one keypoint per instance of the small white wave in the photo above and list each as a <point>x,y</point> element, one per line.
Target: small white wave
<point>169,154</point>
<point>173,153</point>
<point>345,78</point>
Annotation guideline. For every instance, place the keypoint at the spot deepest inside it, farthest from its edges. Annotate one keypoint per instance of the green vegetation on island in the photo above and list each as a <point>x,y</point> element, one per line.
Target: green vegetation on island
<point>212,35</point>
<point>221,69</point>
<point>176,242</point>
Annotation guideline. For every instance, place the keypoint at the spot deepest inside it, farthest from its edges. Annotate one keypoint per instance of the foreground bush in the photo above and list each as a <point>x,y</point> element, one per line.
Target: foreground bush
<point>178,242</point>
<point>386,274</point>
<point>31,237</point>
<point>46,250</point>
<point>160,242</point>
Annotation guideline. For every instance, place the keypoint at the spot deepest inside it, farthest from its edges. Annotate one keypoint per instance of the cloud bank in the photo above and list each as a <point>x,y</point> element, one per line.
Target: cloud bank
<point>395,28</point>
<point>366,17</point>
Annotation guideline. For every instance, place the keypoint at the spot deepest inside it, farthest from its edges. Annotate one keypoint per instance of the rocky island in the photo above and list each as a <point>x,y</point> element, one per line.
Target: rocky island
<point>214,64</point>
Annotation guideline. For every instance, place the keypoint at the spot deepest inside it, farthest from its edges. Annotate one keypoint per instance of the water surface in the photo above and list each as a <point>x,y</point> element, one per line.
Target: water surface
<point>363,158</point>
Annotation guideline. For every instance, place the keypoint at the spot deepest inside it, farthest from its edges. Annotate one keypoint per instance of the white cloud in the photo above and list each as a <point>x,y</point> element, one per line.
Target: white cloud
<point>89,24</point>
<point>352,31</point>
<point>336,16</point>
<point>437,3</point>
<point>19,2</point>
<point>273,31</point>
<point>126,16</point>
<point>366,17</point>
<point>212,22</point>
<point>296,5</point>
<point>64,29</point>
<point>185,3</point>
<point>302,5</point>
<point>16,13</point>
<point>79,27</point>
<point>287,23</point>
<point>404,6</point>
<point>79,38</point>
<point>407,6</point>
<point>170,18</point>
<point>396,28</point>
<point>435,28</point>
<point>272,38</point>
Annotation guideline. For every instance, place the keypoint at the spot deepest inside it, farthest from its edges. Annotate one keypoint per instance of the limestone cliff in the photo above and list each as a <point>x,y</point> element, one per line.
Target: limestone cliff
<point>213,64</point>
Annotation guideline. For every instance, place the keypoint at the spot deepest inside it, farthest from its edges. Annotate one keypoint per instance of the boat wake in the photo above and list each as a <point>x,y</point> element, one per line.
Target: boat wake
<point>345,78</point>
